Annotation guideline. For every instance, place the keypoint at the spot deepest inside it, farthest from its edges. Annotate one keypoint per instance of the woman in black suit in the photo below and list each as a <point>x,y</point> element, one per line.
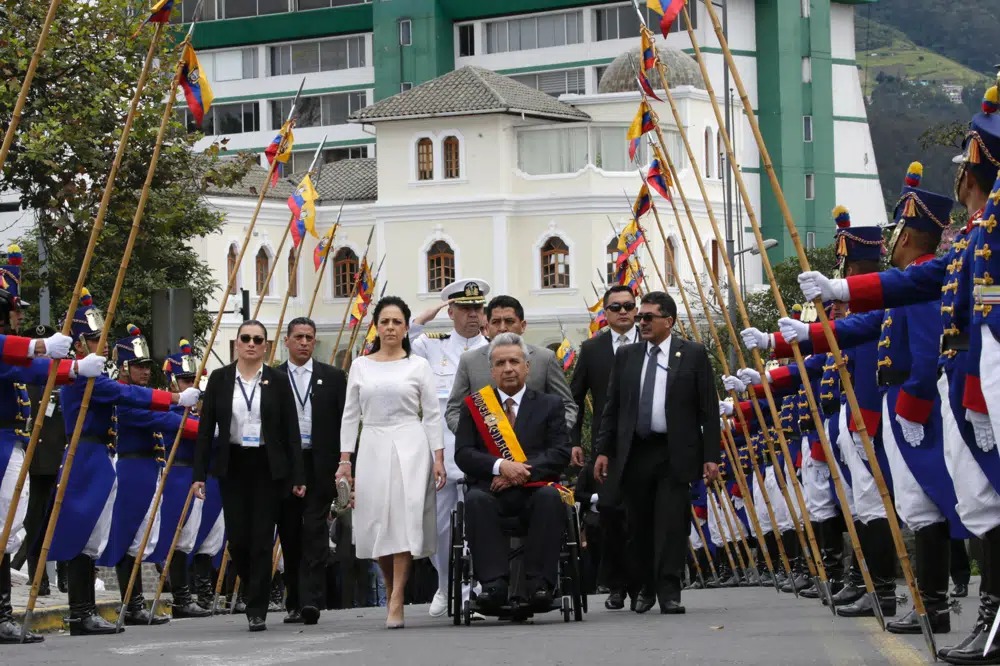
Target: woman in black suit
<point>257,457</point>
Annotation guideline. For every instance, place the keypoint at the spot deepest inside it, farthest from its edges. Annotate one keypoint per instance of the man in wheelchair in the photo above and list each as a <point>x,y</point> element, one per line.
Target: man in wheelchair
<point>512,444</point>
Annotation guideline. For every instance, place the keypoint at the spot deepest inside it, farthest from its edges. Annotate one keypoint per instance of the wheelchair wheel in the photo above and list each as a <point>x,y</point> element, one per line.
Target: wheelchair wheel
<point>467,613</point>
<point>457,568</point>
<point>574,574</point>
<point>566,608</point>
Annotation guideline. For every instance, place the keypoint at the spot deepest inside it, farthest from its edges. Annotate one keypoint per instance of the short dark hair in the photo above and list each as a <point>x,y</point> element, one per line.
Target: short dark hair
<point>617,289</point>
<point>251,322</point>
<point>504,301</point>
<point>927,241</point>
<point>668,307</point>
<point>984,177</point>
<point>384,302</point>
<point>300,321</point>
<point>865,266</point>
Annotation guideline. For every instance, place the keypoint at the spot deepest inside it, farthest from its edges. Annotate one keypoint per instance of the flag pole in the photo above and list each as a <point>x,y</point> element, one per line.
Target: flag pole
<point>357,327</point>
<point>67,326</point>
<point>350,300</point>
<point>326,256</point>
<point>29,77</point>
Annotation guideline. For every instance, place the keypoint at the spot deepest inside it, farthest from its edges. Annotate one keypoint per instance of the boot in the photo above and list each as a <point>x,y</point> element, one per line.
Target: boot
<point>880,555</point>
<point>798,580</point>
<point>970,650</point>
<point>832,550</point>
<point>854,583</point>
<point>10,631</point>
<point>932,554</point>
<point>183,604</point>
<point>135,609</point>
<point>83,617</point>
<point>61,577</point>
<point>204,580</point>
<point>44,590</point>
<point>277,603</point>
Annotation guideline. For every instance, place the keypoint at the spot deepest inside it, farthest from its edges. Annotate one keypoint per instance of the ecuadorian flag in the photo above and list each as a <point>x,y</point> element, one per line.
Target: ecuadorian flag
<point>196,89</point>
<point>302,203</point>
<point>566,354</point>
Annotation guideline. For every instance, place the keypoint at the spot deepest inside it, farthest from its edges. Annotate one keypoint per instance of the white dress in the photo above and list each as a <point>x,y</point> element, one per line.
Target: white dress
<point>394,481</point>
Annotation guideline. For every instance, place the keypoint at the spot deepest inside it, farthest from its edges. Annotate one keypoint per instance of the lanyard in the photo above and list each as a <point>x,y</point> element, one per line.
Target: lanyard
<point>253,392</point>
<point>295,388</point>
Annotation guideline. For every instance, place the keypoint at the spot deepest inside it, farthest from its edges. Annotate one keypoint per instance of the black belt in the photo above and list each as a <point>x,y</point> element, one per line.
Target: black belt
<point>959,343</point>
<point>830,407</point>
<point>10,425</point>
<point>890,377</point>
<point>137,455</point>
<point>183,463</point>
<point>807,426</point>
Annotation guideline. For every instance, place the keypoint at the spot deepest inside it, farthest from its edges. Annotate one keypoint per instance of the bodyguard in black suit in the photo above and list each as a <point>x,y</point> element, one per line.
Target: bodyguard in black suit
<point>258,458</point>
<point>497,486</point>
<point>590,376</point>
<point>659,432</point>
<point>320,391</point>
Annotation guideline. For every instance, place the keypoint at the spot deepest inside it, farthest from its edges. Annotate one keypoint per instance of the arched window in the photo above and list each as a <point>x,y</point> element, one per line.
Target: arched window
<point>670,262</point>
<point>451,165</point>
<point>555,264</point>
<point>425,159</point>
<point>293,275</point>
<point>720,145</point>
<point>345,267</point>
<point>440,266</point>
<point>709,152</point>
<point>612,257</point>
<point>262,266</point>
<point>231,267</point>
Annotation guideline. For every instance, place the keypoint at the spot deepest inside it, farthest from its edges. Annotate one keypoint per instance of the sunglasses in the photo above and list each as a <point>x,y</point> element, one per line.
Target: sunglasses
<point>648,317</point>
<point>618,307</point>
<point>257,339</point>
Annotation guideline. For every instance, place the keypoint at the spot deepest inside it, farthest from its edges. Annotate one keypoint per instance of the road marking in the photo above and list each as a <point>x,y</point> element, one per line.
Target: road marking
<point>151,647</point>
<point>892,647</point>
<point>277,656</point>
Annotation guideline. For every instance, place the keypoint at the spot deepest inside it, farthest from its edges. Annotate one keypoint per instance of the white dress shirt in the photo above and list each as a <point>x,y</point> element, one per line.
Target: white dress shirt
<point>241,413</point>
<point>517,397</point>
<point>300,377</point>
<point>659,420</point>
<point>632,335</point>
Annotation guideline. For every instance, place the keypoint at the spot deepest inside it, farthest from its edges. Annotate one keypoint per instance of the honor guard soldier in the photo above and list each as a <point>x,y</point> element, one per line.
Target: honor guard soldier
<point>84,524</point>
<point>465,300</point>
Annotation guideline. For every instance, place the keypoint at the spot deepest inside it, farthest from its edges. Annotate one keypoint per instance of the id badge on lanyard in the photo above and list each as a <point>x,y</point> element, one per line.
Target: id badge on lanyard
<point>251,429</point>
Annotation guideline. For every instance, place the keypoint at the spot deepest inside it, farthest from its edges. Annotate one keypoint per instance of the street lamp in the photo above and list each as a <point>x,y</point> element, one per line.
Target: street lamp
<point>755,250</point>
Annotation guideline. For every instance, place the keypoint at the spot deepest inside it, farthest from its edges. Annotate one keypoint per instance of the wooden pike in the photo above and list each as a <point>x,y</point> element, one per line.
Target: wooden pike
<point>326,257</point>
<point>350,300</point>
<point>697,565</point>
<point>357,327</point>
<point>704,544</point>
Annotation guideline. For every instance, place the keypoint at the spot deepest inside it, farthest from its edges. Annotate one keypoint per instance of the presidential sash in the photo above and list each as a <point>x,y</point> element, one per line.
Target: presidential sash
<point>498,435</point>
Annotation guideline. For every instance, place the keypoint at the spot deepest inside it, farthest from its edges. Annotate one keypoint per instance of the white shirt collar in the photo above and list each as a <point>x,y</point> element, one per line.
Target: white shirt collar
<point>308,365</point>
<point>664,347</point>
<point>518,397</point>
<point>256,377</point>
<point>468,342</point>
<point>631,334</point>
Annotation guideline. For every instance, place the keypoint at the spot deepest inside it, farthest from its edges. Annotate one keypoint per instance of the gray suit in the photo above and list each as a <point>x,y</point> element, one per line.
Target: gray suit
<point>545,375</point>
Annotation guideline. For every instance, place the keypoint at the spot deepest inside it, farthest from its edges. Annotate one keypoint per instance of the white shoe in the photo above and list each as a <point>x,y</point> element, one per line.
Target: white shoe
<point>439,605</point>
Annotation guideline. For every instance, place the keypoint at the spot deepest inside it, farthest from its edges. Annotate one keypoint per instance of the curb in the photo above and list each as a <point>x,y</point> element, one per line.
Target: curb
<point>54,618</point>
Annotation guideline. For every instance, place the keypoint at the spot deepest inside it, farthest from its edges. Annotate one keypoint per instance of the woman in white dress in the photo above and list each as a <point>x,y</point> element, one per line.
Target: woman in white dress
<point>400,455</point>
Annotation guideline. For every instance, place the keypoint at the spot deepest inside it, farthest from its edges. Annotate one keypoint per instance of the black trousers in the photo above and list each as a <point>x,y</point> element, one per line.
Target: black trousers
<point>613,568</point>
<point>36,519</point>
<point>305,540</point>
<point>540,510</point>
<point>961,570</point>
<point>658,510</point>
<point>251,504</point>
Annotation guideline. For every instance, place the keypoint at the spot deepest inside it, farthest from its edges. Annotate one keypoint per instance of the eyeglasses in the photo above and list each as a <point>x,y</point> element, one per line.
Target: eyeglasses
<point>618,307</point>
<point>257,339</point>
<point>648,317</point>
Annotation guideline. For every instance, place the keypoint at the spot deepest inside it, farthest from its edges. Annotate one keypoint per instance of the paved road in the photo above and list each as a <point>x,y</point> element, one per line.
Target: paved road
<point>741,626</point>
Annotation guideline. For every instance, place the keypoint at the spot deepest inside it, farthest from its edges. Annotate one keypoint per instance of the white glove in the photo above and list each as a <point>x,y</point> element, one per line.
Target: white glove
<point>748,376</point>
<point>733,384</point>
<point>91,366</point>
<point>816,285</point>
<point>756,339</point>
<point>57,345</point>
<point>913,433</point>
<point>189,397</point>
<point>983,428</point>
<point>725,408</point>
<point>793,330</point>
<point>859,446</point>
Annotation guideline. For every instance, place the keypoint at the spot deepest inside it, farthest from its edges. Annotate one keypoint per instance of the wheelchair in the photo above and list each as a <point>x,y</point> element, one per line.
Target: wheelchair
<point>568,597</point>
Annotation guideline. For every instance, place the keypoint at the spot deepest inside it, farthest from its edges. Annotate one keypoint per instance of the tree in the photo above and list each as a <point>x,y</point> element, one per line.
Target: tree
<point>65,145</point>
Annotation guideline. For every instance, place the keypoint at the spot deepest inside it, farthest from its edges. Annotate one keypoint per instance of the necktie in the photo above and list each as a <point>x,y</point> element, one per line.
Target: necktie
<point>622,340</point>
<point>644,423</point>
<point>508,409</point>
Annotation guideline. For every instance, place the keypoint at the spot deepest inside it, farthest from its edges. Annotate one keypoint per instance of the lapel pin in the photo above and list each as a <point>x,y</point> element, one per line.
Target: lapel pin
<point>678,354</point>
<point>264,383</point>
<point>319,381</point>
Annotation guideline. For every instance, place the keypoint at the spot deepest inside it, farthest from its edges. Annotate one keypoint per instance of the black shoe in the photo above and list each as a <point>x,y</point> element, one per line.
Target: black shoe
<point>811,592</point>
<point>310,615</point>
<point>797,582</point>
<point>696,584</point>
<point>541,600</point>
<point>848,594</point>
<point>942,653</point>
<point>671,608</point>
<point>257,624</point>
<point>493,596</point>
<point>615,601</point>
<point>91,625</point>
<point>190,609</point>
<point>293,617</point>
<point>972,652</point>
<point>139,616</point>
<point>863,607</point>
<point>960,590</point>
<point>10,632</point>
<point>644,602</point>
<point>240,605</point>
<point>909,624</point>
<point>603,589</point>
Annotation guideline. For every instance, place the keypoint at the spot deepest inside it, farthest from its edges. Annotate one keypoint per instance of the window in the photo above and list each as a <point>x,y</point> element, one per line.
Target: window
<point>810,187</point>
<point>612,258</point>
<point>807,129</point>
<point>720,147</point>
<point>323,4</point>
<point>709,153</point>
<point>622,22</point>
<point>425,159</point>
<point>230,65</point>
<point>451,157</point>
<point>555,264</point>
<point>552,151</point>
<point>301,159</point>
<point>810,240</point>
<point>231,268</point>
<point>317,56</point>
<point>293,275</point>
<point>534,32</point>
<point>807,69</point>
<point>345,267</point>
<point>186,13</point>
<point>440,266</point>
<point>610,149</point>
<point>405,32</point>
<point>262,266</point>
<point>226,119</point>
<point>243,8</point>
<point>466,40</point>
<point>556,83</point>
<point>806,8</point>
<point>600,71</point>
<point>405,85</point>
<point>319,110</point>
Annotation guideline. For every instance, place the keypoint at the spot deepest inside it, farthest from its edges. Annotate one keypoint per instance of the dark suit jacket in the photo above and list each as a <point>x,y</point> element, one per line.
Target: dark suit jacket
<point>279,426</point>
<point>693,430</point>
<point>540,427</point>
<point>591,374</point>
<point>329,391</point>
